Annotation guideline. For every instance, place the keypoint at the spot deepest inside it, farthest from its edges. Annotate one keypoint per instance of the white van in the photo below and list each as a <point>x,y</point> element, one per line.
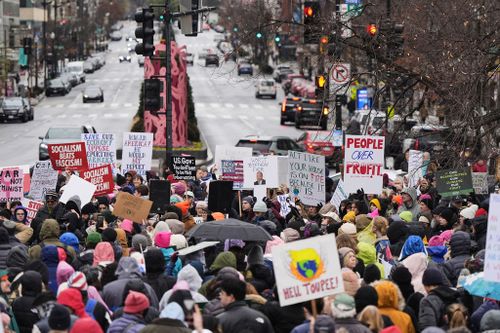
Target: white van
<point>76,67</point>
<point>265,88</point>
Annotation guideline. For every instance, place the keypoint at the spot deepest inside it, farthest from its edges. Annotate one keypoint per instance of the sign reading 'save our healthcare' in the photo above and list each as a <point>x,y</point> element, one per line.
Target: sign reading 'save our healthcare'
<point>364,163</point>
<point>71,156</point>
<point>102,178</point>
<point>454,182</point>
<point>11,184</point>
<point>137,152</point>
<point>492,256</point>
<point>306,177</point>
<point>307,269</point>
<point>101,149</point>
<point>184,167</point>
<point>44,179</point>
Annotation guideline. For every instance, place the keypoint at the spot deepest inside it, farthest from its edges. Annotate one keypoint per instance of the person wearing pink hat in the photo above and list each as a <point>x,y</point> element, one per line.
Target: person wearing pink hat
<point>162,241</point>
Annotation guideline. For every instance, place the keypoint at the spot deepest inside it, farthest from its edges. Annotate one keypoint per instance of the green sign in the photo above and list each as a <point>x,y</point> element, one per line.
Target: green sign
<point>454,182</point>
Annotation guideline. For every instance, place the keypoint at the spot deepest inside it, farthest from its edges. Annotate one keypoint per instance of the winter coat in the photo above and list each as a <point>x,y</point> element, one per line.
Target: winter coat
<point>127,269</point>
<point>475,318</point>
<point>162,325</point>
<point>31,283</point>
<point>414,208</point>
<point>352,325</point>
<point>17,258</point>
<point>49,235</point>
<point>283,319</point>
<point>4,252</point>
<point>389,304</point>
<point>167,254</point>
<point>190,276</point>
<point>368,254</point>
<point>397,234</point>
<point>43,214</point>
<point>433,307</point>
<point>480,225</point>
<point>50,257</point>
<point>416,264</point>
<point>237,312</point>
<point>460,248</point>
<point>128,323</point>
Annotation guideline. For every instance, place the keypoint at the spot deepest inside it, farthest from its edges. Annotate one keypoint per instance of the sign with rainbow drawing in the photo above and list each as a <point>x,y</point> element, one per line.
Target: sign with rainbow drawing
<point>307,269</point>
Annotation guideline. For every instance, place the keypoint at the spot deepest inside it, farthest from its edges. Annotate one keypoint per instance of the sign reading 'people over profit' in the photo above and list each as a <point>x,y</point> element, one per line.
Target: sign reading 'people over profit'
<point>101,149</point>
<point>307,269</point>
<point>454,182</point>
<point>68,156</point>
<point>306,177</point>
<point>364,163</point>
<point>137,152</point>
<point>11,184</point>
<point>184,167</point>
<point>102,178</point>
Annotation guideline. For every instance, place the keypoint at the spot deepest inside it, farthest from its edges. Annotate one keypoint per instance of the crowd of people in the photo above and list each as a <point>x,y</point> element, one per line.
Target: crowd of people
<point>404,256</point>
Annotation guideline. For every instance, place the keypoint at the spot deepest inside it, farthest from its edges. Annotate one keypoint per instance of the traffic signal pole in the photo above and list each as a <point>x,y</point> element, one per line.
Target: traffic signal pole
<point>338,32</point>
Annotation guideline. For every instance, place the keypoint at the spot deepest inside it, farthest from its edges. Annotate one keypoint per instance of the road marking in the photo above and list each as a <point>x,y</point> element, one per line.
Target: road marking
<point>60,106</point>
<point>108,115</point>
<point>61,116</point>
<point>259,118</point>
<point>215,105</point>
<point>244,106</point>
<point>229,105</point>
<point>127,105</point>
<point>243,117</point>
<point>123,115</point>
<point>226,116</point>
<point>92,115</point>
<point>257,106</point>
<point>114,105</point>
<point>76,115</point>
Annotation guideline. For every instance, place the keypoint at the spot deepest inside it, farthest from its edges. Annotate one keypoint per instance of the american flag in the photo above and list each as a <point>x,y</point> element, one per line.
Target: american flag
<point>233,170</point>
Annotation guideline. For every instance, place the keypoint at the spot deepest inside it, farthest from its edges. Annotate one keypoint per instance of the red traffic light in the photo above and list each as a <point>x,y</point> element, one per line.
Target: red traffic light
<point>308,11</point>
<point>372,29</point>
<point>323,40</point>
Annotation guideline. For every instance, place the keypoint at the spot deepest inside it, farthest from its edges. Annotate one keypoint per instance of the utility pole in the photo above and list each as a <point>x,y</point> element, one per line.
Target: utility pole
<point>338,33</point>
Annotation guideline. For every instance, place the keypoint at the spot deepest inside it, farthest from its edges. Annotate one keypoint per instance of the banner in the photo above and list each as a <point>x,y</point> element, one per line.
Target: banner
<point>415,170</point>
<point>44,179</point>
<point>102,178</point>
<point>79,187</point>
<point>101,149</point>
<point>11,184</point>
<point>133,208</point>
<point>492,256</point>
<point>232,170</point>
<point>307,269</point>
<point>32,207</point>
<point>306,177</point>
<point>137,152</point>
<point>454,182</point>
<point>364,163</point>
<point>339,195</point>
<point>480,182</point>
<point>72,156</point>
<point>261,170</point>
<point>184,167</point>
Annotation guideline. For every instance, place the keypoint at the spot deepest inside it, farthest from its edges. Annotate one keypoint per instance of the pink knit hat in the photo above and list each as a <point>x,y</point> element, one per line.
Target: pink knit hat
<point>436,241</point>
<point>446,235</point>
<point>162,239</point>
<point>127,225</point>
<point>270,244</point>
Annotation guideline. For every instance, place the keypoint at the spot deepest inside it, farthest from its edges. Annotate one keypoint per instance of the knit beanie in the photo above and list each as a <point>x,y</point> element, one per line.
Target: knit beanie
<point>248,199</point>
<point>406,216</point>
<point>469,212</point>
<point>139,241</point>
<point>179,188</point>
<point>289,235</point>
<point>109,235</point>
<point>179,241</point>
<point>78,280</point>
<point>432,277</point>
<point>376,202</point>
<point>86,325</point>
<point>73,299</point>
<point>108,216</point>
<point>93,238</point>
<point>162,239</point>
<point>436,240</point>
<point>127,225</point>
<point>446,235</point>
<point>135,302</point>
<point>447,214</point>
<point>260,207</point>
<point>324,324</point>
<point>343,306</point>
<point>347,228</point>
<point>349,217</point>
<point>366,295</point>
<point>427,202</point>
<point>481,212</point>
<point>490,321</point>
<point>371,274</point>
<point>59,318</point>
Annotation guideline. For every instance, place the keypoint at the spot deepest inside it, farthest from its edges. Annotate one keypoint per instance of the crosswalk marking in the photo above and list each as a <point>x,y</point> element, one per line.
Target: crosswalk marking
<point>108,115</point>
<point>229,105</point>
<point>243,117</point>
<point>244,106</point>
<point>226,116</point>
<point>61,116</point>
<point>127,105</point>
<point>76,115</point>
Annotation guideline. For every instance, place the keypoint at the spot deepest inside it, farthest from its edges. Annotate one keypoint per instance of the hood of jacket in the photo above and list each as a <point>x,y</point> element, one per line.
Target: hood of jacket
<point>367,253</point>
<point>49,229</point>
<point>128,269</point>
<point>25,214</point>
<point>121,237</point>
<point>412,245</point>
<point>397,232</point>
<point>31,283</point>
<point>413,194</point>
<point>460,244</point>
<point>17,257</point>
<point>189,274</point>
<point>480,224</point>
<point>155,262</point>
<point>70,239</point>
<point>223,259</point>
<point>50,256</point>
<point>447,294</point>
<point>388,295</point>
<point>437,253</point>
<point>103,252</point>
<point>63,272</point>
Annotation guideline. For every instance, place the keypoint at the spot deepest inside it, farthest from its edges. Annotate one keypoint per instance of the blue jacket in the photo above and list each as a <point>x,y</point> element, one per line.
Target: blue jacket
<point>174,269</point>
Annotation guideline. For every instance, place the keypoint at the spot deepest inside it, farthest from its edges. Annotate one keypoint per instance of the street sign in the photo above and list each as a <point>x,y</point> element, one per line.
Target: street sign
<point>340,73</point>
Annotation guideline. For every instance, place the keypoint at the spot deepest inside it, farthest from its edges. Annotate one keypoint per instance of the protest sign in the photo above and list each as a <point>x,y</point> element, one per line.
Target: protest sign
<point>492,256</point>
<point>261,170</point>
<point>480,182</point>
<point>307,269</point>
<point>184,167</point>
<point>285,202</point>
<point>72,156</point>
<point>415,170</point>
<point>338,138</point>
<point>339,195</point>
<point>133,208</point>
<point>79,187</point>
<point>137,152</point>
<point>102,178</point>
<point>454,182</point>
<point>44,179</point>
<point>101,149</point>
<point>306,177</point>
<point>259,192</point>
<point>282,170</point>
<point>364,163</point>
<point>232,170</point>
<point>25,168</point>
<point>230,153</point>
<point>32,207</point>
<point>11,184</point>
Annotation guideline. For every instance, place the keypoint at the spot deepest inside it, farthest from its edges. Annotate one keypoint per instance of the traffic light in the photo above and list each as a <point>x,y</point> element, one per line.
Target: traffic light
<point>189,23</point>
<point>311,22</point>
<point>277,39</point>
<point>320,81</point>
<point>323,44</point>
<point>152,98</point>
<point>27,45</point>
<point>146,32</point>
<point>258,34</point>
<point>372,29</point>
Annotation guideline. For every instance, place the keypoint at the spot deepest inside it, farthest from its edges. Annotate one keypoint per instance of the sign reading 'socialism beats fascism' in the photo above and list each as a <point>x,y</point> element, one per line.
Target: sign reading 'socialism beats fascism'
<point>72,156</point>
<point>102,178</point>
<point>364,163</point>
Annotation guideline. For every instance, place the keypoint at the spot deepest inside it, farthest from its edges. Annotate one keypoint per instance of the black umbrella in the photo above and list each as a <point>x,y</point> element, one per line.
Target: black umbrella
<point>229,229</point>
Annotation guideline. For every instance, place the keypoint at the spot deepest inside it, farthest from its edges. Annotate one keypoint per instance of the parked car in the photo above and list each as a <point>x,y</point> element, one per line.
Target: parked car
<point>93,93</point>
<point>71,78</point>
<point>61,134</point>
<point>320,143</point>
<point>88,67</point>
<point>115,36</point>
<point>245,68</point>
<point>16,108</point>
<point>212,59</point>
<point>265,88</point>
<point>287,113</point>
<point>76,67</point>
<point>281,72</point>
<point>297,85</point>
<point>311,112</point>
<point>124,57</point>
<point>428,138</point>
<point>287,82</point>
<point>265,145</point>
<point>57,87</point>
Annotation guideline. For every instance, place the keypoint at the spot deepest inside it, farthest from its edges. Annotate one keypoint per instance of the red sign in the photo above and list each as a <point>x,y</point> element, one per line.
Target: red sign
<point>32,207</point>
<point>102,177</point>
<point>68,156</point>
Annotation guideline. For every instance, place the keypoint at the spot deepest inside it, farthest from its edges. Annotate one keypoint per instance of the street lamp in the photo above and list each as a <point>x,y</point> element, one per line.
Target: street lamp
<point>54,60</point>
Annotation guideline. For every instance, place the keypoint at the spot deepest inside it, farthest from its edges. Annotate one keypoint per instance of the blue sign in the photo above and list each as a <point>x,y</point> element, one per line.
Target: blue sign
<point>363,100</point>
<point>353,2</point>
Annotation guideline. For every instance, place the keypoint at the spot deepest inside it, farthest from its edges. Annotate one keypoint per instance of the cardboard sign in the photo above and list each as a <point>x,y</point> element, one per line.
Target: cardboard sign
<point>44,179</point>
<point>11,184</point>
<point>492,256</point>
<point>232,170</point>
<point>230,153</point>
<point>339,195</point>
<point>102,178</point>
<point>184,167</point>
<point>32,207</point>
<point>454,182</point>
<point>307,269</point>
<point>261,170</point>
<point>133,208</point>
<point>480,182</point>
<point>137,152</point>
<point>101,149</point>
<point>80,188</point>
<point>306,177</point>
<point>415,170</point>
<point>364,163</point>
<point>72,156</point>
